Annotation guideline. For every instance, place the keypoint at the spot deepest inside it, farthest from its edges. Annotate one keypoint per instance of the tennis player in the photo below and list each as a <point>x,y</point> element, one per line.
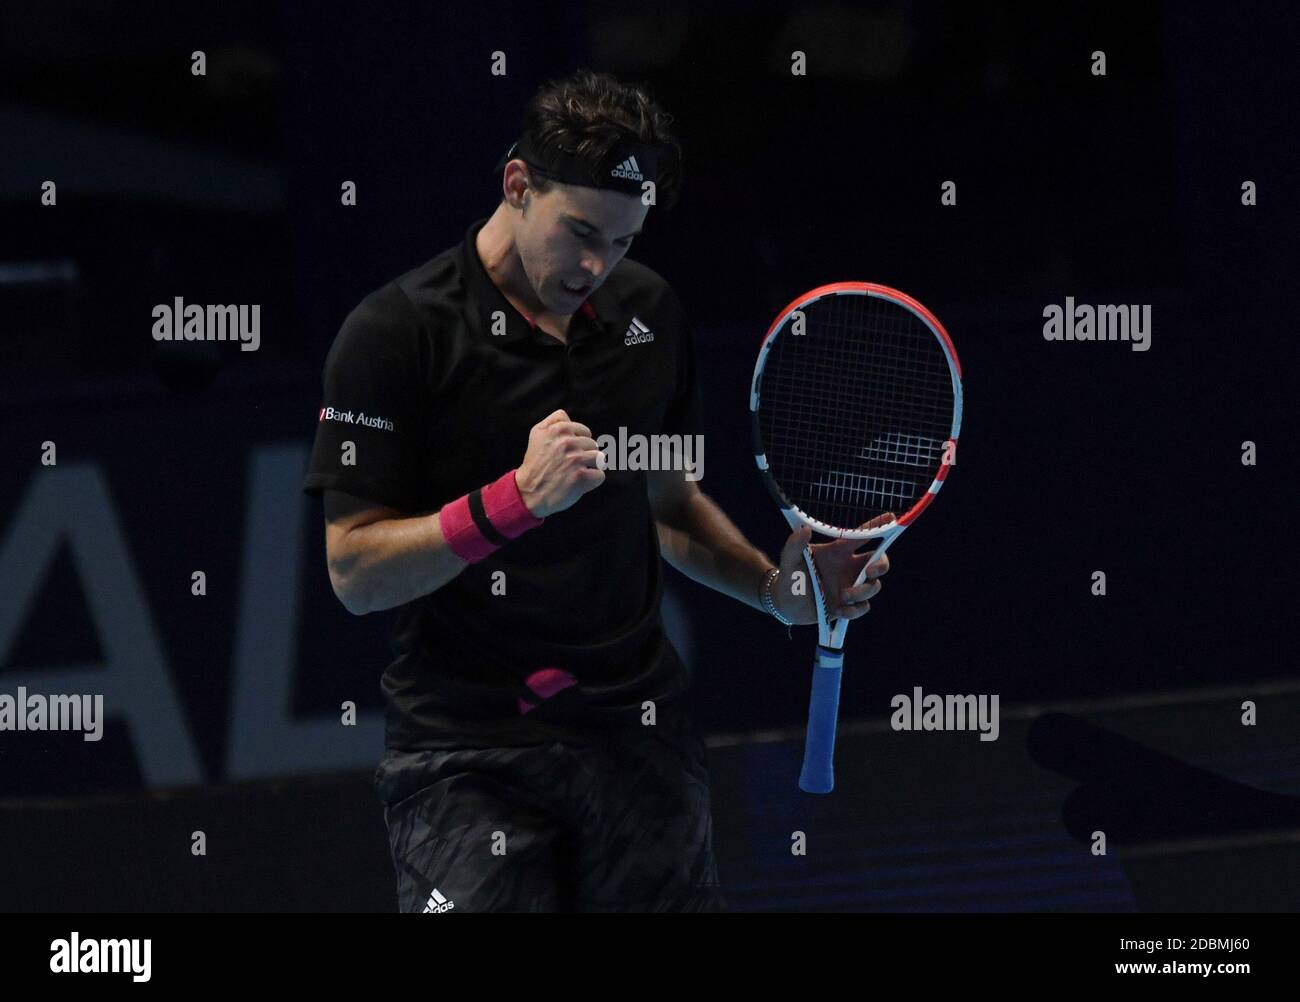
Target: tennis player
<point>539,752</point>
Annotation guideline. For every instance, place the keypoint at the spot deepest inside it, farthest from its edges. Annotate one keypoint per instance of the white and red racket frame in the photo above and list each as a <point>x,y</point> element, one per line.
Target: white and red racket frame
<point>817,775</point>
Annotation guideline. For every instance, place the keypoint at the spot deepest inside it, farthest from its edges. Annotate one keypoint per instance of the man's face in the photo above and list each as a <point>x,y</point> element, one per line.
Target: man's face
<point>570,239</point>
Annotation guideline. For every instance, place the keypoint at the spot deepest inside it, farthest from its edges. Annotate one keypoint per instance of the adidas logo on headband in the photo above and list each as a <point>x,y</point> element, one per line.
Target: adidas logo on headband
<point>629,169</point>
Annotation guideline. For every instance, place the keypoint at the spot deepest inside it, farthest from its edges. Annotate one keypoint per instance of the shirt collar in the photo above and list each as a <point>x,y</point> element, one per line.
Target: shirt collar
<point>486,299</point>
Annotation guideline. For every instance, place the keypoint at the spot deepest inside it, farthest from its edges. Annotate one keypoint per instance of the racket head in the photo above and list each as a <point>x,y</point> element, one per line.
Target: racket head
<point>855,396</point>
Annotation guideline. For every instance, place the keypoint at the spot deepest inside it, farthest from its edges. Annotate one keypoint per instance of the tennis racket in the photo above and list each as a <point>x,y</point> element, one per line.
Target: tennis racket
<point>856,408</point>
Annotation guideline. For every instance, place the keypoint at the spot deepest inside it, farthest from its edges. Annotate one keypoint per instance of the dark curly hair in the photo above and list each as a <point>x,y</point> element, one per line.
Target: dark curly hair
<point>587,113</point>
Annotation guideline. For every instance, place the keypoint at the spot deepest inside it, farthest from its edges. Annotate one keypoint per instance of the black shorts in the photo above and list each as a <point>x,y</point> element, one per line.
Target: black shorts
<point>621,824</point>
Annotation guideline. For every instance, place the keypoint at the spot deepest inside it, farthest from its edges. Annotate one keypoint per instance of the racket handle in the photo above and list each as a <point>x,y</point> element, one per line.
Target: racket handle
<point>818,775</point>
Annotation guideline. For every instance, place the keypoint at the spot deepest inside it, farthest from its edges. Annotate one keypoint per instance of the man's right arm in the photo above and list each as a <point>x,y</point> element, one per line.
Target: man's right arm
<point>379,557</point>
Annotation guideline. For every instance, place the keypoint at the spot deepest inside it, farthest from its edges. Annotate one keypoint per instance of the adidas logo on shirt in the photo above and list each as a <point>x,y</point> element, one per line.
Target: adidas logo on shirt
<point>638,333</point>
<point>437,903</point>
<point>629,169</point>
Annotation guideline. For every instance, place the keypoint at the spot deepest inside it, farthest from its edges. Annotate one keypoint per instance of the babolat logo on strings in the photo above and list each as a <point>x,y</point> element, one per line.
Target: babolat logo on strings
<point>361,418</point>
<point>638,333</point>
<point>629,169</point>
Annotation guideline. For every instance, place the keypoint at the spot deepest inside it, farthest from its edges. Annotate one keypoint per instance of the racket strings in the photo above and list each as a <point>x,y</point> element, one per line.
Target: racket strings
<point>854,413</point>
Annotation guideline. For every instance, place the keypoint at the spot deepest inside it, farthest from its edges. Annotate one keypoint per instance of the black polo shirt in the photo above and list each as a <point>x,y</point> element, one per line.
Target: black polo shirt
<point>435,380</point>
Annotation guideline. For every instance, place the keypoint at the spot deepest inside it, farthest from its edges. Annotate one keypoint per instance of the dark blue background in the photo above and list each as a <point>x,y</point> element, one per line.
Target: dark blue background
<point>1074,457</point>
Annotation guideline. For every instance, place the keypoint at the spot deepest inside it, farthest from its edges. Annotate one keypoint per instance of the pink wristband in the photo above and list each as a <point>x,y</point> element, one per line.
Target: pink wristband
<point>483,521</point>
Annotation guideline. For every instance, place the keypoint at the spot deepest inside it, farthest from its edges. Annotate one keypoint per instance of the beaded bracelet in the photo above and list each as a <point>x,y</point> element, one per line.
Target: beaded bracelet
<point>766,595</point>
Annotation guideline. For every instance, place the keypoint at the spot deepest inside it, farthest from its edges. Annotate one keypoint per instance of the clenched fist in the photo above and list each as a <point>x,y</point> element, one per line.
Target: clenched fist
<point>561,465</point>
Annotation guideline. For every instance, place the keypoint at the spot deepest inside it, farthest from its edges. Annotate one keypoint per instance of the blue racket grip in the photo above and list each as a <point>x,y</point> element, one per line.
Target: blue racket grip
<point>818,775</point>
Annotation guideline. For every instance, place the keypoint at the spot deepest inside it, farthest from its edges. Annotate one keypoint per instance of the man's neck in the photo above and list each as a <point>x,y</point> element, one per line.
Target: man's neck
<point>495,244</point>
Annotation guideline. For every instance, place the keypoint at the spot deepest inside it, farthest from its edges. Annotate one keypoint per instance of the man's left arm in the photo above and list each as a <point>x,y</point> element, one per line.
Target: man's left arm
<point>698,539</point>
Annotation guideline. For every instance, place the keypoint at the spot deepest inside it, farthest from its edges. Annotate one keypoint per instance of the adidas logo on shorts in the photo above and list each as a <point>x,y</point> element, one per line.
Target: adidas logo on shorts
<point>437,903</point>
